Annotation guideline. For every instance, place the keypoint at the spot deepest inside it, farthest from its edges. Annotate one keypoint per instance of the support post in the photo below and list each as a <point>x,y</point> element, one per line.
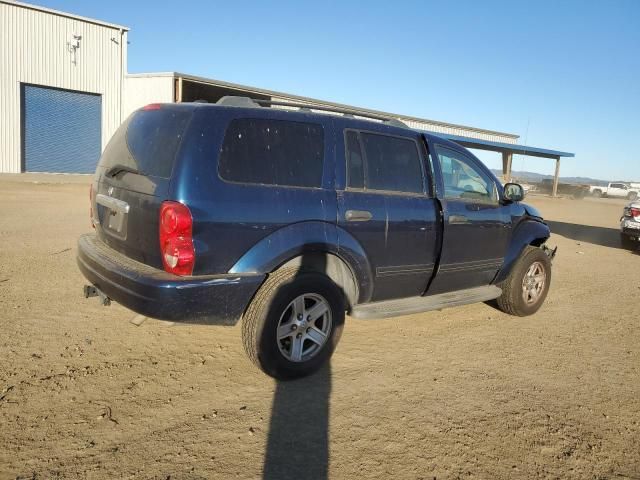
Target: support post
<point>178,93</point>
<point>507,158</point>
<point>555,178</point>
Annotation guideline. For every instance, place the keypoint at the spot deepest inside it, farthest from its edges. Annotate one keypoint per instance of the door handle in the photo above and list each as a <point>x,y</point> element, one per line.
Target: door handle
<point>357,216</point>
<point>458,219</point>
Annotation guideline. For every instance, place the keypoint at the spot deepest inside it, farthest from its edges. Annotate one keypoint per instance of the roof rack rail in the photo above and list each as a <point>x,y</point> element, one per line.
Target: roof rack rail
<point>236,101</point>
<point>344,111</point>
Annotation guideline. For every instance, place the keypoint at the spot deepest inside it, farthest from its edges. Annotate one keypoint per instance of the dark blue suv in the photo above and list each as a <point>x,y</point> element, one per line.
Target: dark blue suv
<point>288,219</point>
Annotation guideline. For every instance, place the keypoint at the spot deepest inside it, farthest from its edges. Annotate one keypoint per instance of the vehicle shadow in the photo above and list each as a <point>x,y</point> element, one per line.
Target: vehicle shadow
<point>606,237</point>
<point>298,439</point>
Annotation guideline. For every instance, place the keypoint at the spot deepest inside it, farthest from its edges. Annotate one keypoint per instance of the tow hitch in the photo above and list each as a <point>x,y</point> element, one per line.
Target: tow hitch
<point>92,291</point>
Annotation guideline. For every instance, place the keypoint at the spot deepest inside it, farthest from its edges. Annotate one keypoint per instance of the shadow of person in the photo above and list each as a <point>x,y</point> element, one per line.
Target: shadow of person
<point>298,439</point>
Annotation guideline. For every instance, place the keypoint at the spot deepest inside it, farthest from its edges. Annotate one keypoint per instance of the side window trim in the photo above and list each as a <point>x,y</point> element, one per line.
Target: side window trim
<point>476,166</point>
<point>429,169</point>
<point>425,190</point>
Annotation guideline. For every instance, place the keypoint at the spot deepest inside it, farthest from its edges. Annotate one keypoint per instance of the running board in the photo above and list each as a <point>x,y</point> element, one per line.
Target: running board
<point>407,306</point>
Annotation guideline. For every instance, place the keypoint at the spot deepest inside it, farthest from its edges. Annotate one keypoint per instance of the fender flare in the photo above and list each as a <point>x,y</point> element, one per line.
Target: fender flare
<point>527,232</point>
<point>313,245</point>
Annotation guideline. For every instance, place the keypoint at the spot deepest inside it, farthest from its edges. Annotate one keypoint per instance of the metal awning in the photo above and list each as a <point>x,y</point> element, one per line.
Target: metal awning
<point>507,150</point>
<point>504,147</point>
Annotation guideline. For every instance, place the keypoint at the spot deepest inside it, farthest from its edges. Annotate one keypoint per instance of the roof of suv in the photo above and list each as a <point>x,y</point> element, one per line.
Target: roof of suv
<point>308,114</point>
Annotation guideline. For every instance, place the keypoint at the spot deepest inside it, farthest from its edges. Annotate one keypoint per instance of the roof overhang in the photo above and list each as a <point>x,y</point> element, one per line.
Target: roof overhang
<point>468,142</point>
<point>64,14</point>
<point>313,101</point>
<point>504,147</point>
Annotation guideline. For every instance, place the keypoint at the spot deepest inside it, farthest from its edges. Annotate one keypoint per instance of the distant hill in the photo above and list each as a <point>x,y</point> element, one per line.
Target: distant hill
<point>534,177</point>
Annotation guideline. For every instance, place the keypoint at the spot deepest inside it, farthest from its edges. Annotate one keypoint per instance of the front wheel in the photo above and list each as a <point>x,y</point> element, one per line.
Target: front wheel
<point>293,324</point>
<point>526,287</point>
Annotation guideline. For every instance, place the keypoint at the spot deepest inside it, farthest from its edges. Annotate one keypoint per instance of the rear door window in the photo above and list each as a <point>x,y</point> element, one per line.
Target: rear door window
<point>272,152</point>
<point>389,163</point>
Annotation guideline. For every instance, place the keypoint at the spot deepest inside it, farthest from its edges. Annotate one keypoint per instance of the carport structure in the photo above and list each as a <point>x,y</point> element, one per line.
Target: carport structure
<point>180,87</point>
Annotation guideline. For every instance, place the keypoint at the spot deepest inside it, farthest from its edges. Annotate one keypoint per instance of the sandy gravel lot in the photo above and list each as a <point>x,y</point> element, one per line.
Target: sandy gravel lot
<point>464,393</point>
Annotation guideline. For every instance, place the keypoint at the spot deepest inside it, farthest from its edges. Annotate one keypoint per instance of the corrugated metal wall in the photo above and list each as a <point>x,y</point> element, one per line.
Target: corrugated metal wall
<point>33,50</point>
<point>141,90</point>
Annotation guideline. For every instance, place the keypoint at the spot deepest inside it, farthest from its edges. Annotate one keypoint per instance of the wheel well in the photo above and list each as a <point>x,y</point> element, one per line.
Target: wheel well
<point>331,266</point>
<point>538,242</point>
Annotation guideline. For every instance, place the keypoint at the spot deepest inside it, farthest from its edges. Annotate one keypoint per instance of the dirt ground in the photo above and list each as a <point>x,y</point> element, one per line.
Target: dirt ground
<point>467,392</point>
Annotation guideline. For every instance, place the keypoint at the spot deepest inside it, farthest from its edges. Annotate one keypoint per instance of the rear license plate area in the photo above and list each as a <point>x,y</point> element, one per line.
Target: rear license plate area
<point>113,214</point>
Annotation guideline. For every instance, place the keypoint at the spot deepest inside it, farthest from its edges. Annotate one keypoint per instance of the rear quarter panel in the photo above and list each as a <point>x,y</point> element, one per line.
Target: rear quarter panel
<point>230,218</point>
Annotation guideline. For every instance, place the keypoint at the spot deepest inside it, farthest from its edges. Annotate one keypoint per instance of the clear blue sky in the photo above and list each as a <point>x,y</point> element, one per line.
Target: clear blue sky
<point>569,70</point>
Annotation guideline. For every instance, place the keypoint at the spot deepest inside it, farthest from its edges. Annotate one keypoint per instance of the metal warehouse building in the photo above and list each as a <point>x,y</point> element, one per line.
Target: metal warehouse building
<point>64,89</point>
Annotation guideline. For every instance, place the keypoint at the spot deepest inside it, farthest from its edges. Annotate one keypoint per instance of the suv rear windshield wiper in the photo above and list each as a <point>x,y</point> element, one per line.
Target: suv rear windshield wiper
<point>119,168</point>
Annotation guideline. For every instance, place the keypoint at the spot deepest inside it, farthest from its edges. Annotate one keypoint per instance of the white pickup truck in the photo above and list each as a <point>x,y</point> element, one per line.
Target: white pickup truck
<point>615,190</point>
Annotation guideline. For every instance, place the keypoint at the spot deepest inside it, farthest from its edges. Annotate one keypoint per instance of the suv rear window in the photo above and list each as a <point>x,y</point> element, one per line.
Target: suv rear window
<point>147,142</point>
<point>272,152</point>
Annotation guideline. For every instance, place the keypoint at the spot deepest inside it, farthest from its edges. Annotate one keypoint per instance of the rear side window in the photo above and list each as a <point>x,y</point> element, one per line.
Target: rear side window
<point>272,152</point>
<point>389,163</point>
<point>148,141</point>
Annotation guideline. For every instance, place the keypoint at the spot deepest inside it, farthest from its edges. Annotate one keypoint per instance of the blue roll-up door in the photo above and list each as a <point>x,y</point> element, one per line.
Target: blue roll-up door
<point>61,130</point>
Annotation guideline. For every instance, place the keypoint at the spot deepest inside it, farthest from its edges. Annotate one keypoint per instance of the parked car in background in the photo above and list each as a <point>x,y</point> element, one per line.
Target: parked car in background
<point>287,219</point>
<point>573,190</point>
<point>615,190</point>
<point>630,226</point>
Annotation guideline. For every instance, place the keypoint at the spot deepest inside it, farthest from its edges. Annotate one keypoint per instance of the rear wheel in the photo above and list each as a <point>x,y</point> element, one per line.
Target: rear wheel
<point>294,323</point>
<point>526,287</point>
<point>632,196</point>
<point>597,193</point>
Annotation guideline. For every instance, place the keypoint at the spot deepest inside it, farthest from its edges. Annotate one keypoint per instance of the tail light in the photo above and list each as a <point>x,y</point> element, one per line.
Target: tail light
<point>634,212</point>
<point>176,240</point>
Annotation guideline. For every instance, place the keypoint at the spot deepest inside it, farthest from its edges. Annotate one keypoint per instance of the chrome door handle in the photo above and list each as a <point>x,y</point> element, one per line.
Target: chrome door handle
<point>458,219</point>
<point>357,216</point>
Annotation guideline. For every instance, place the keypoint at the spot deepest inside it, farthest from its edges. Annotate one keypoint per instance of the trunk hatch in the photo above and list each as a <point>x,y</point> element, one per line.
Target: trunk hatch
<point>132,180</point>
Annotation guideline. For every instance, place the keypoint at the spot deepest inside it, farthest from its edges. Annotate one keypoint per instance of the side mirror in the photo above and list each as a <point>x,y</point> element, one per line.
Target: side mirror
<point>513,192</point>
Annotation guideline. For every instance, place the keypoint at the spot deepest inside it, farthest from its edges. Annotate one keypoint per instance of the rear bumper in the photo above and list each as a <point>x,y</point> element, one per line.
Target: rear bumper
<point>214,299</point>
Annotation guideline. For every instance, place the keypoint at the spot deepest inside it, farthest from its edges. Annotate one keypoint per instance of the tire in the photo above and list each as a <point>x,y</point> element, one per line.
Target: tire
<point>512,300</point>
<point>273,311</point>
<point>627,243</point>
<point>597,193</point>
<point>632,196</point>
